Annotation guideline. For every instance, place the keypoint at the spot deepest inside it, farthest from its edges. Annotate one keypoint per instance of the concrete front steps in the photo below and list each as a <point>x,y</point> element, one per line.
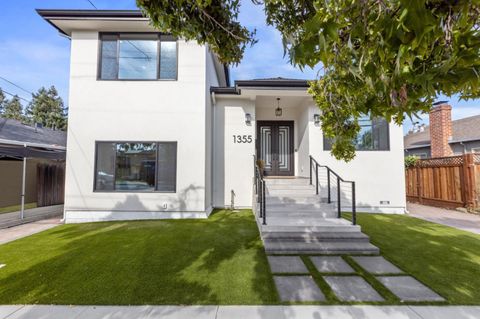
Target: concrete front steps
<point>301,222</point>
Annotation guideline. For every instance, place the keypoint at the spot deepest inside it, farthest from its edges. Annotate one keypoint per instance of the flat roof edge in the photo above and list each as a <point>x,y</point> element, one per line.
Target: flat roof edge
<point>61,13</point>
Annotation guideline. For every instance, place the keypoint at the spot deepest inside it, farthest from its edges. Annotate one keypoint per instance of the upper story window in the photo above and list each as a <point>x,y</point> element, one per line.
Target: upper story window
<point>137,56</point>
<point>373,136</point>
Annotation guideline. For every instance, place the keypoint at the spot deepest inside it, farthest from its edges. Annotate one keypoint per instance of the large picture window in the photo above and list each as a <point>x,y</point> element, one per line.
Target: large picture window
<point>137,56</point>
<point>136,166</point>
<point>373,136</point>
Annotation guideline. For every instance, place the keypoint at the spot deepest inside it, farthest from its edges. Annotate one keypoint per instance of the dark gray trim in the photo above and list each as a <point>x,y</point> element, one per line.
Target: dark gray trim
<point>273,83</point>
<point>65,13</point>
<point>115,169</point>
<point>227,74</point>
<point>224,90</point>
<point>161,37</point>
<point>388,149</point>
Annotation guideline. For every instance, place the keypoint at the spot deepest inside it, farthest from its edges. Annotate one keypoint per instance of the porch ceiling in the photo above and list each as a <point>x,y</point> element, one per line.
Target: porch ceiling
<point>263,101</point>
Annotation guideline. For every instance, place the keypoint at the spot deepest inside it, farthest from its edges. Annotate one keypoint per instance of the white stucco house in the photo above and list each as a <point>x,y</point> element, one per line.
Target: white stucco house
<point>156,129</point>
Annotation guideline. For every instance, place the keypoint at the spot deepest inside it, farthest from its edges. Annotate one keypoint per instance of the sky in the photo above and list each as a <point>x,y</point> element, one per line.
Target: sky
<point>33,54</point>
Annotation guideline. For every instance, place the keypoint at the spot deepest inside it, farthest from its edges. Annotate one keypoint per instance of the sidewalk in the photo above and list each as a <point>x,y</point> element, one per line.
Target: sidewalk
<point>16,232</point>
<point>30,215</point>
<point>452,218</point>
<point>240,312</point>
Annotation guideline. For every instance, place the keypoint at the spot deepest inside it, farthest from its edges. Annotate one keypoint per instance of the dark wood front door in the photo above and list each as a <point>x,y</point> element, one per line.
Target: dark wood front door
<point>275,147</point>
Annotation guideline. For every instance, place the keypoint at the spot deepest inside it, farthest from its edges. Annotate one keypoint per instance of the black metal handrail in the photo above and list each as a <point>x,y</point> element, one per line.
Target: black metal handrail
<point>314,163</point>
<point>260,190</point>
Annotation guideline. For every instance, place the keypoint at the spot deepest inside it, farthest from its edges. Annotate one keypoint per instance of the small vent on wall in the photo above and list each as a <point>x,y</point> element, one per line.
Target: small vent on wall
<point>384,202</point>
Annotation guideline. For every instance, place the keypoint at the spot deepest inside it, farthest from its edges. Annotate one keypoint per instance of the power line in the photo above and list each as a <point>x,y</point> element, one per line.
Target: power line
<point>16,85</point>
<point>21,98</point>
<point>92,4</point>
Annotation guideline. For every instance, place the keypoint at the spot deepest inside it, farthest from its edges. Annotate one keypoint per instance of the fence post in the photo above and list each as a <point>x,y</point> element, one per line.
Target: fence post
<point>316,178</point>
<point>469,180</point>
<point>419,184</point>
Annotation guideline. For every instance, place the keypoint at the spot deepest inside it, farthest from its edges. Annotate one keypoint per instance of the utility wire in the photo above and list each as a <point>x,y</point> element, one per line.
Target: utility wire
<point>21,98</point>
<point>92,4</point>
<point>16,85</point>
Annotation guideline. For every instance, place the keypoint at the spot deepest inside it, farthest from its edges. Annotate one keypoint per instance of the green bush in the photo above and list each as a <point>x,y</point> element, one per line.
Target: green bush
<point>411,160</point>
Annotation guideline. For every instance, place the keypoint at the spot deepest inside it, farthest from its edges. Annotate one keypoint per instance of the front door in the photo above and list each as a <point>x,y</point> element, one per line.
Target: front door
<point>275,147</point>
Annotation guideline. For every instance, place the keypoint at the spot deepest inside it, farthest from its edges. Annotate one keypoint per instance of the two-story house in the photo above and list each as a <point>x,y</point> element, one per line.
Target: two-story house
<point>155,129</point>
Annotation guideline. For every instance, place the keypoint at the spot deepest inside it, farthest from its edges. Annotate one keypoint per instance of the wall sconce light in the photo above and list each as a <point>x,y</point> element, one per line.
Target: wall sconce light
<point>316,119</point>
<point>278,110</point>
<point>248,118</point>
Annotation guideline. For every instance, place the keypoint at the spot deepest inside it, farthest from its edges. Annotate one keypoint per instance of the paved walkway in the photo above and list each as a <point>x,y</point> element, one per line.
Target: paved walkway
<point>240,312</point>
<point>30,215</point>
<point>453,218</point>
<point>16,232</point>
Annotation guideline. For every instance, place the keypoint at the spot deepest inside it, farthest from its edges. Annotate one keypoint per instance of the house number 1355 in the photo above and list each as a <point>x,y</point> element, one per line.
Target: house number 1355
<point>242,139</point>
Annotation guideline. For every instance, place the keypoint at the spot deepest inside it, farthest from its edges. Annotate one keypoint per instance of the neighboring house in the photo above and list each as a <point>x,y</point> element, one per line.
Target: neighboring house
<point>156,131</point>
<point>19,141</point>
<point>444,137</point>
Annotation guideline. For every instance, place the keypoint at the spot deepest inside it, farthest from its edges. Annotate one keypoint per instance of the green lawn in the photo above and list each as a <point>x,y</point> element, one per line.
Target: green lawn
<point>216,261</point>
<point>16,208</point>
<point>444,258</point>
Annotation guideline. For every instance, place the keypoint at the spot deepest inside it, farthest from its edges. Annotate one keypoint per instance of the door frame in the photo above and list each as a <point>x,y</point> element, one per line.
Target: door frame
<point>291,124</point>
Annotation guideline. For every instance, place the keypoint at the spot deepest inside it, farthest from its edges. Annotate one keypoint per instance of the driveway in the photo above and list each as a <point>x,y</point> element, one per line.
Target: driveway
<point>30,215</point>
<point>16,232</point>
<point>452,218</point>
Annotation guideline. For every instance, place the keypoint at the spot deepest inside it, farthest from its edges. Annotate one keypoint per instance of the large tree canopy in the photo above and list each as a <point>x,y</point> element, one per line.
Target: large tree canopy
<point>384,58</point>
<point>47,108</point>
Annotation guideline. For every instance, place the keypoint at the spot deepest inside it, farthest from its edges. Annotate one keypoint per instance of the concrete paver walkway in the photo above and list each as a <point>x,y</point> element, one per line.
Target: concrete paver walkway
<point>30,215</point>
<point>464,221</point>
<point>240,312</point>
<point>16,232</point>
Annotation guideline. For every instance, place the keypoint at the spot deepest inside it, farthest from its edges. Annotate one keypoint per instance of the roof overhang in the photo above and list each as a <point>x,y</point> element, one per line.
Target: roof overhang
<point>411,147</point>
<point>66,21</point>
<point>17,149</point>
<point>263,87</point>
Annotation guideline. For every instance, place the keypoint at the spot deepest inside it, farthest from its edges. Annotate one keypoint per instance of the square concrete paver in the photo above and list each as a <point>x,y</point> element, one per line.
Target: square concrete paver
<point>333,264</point>
<point>376,265</point>
<point>287,264</point>
<point>298,288</point>
<point>352,288</point>
<point>409,289</point>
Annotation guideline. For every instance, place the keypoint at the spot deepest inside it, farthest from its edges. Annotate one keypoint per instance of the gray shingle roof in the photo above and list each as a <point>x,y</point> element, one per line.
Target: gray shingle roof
<point>14,130</point>
<point>466,129</point>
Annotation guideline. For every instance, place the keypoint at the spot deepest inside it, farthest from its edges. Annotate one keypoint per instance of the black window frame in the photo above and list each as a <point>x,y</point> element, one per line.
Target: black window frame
<point>115,174</point>
<point>161,37</point>
<point>329,141</point>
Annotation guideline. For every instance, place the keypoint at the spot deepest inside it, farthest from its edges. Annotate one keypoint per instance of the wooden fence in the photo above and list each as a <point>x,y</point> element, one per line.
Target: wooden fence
<point>446,182</point>
<point>50,184</point>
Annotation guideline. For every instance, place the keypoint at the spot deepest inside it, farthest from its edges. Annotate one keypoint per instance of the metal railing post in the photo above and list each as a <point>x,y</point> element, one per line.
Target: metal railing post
<point>310,170</point>
<point>263,204</point>
<point>339,208</point>
<point>260,199</point>
<point>328,185</point>
<point>354,205</point>
<point>316,178</point>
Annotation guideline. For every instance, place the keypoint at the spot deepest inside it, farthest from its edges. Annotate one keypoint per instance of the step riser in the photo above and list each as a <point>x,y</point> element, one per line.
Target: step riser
<point>291,187</point>
<point>318,214</point>
<point>290,192</point>
<point>324,236</point>
<point>293,181</point>
<point>322,252</point>
<point>315,240</point>
<point>310,229</point>
<point>325,247</point>
<point>294,200</point>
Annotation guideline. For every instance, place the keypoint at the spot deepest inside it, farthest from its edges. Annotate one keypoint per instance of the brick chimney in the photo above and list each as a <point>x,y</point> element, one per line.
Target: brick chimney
<point>441,129</point>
